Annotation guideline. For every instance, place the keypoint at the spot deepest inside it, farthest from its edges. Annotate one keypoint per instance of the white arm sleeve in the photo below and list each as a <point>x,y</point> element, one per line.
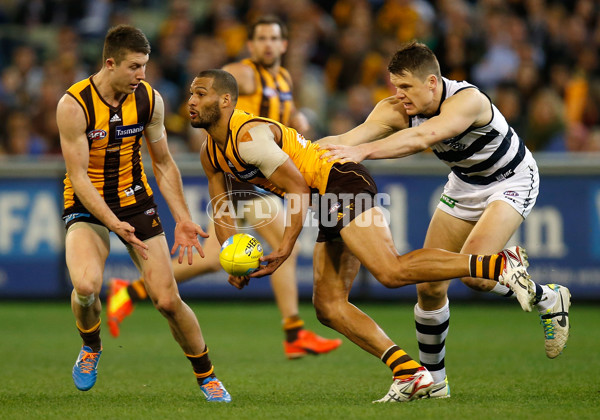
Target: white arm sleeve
<point>261,150</point>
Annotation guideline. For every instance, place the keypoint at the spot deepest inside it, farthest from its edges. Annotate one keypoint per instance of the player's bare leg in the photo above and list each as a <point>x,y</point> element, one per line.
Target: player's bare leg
<point>283,281</point>
<point>494,229</point>
<point>268,220</point>
<point>122,294</point>
<point>162,289</point>
<point>369,234</point>
<point>432,311</point>
<point>87,248</point>
<point>335,268</point>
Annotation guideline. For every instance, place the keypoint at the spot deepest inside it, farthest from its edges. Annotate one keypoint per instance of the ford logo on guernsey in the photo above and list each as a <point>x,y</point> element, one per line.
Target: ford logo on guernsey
<point>96,135</point>
<point>128,130</point>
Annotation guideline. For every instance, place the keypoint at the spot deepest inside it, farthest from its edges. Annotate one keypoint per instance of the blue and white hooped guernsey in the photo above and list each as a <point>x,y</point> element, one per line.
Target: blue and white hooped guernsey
<point>479,155</point>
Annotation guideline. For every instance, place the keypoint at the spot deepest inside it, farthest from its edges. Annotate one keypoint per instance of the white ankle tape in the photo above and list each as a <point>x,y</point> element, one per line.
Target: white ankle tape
<point>85,301</point>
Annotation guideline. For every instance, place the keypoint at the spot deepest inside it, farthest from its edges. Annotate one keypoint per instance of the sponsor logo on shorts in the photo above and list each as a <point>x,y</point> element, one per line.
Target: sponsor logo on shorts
<point>449,201</point>
<point>95,135</point>
<point>511,193</point>
<point>74,216</point>
<point>150,212</point>
<point>505,175</point>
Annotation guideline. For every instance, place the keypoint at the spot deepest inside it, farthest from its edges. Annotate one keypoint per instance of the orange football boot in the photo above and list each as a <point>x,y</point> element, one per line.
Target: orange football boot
<point>119,304</point>
<point>309,343</point>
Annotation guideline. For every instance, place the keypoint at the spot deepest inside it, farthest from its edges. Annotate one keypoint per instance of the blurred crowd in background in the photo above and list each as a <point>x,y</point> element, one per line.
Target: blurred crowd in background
<point>537,59</point>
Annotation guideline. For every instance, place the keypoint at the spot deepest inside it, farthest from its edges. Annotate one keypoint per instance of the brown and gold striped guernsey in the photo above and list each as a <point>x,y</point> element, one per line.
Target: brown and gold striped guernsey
<point>273,96</point>
<point>304,154</point>
<point>114,137</point>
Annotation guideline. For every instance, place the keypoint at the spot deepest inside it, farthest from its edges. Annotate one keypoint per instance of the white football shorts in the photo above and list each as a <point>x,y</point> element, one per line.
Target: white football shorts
<point>468,201</point>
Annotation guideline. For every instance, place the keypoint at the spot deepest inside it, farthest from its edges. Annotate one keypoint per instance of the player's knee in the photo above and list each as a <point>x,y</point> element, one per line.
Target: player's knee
<point>84,289</point>
<point>325,311</point>
<point>85,299</point>
<point>167,305</point>
<point>432,291</point>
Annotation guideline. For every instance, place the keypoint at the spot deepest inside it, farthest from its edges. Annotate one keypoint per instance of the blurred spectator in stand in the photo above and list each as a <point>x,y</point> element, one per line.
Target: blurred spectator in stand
<point>546,122</point>
<point>44,115</point>
<point>18,136</point>
<point>512,105</point>
<point>24,76</point>
<point>511,49</point>
<point>345,67</point>
<point>453,54</point>
<point>399,18</point>
<point>500,60</point>
<point>205,53</point>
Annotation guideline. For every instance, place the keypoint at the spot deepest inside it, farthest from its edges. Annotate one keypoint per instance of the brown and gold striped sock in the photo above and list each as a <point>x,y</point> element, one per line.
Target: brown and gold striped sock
<point>91,337</point>
<point>402,365</point>
<point>202,365</point>
<point>486,266</point>
<point>137,290</point>
<point>291,327</point>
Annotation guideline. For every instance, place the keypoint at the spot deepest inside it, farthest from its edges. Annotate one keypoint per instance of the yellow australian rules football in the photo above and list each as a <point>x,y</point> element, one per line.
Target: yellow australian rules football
<point>240,254</point>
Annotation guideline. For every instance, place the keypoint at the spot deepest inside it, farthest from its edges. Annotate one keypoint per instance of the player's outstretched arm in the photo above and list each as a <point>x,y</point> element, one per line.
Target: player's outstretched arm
<point>288,178</point>
<point>168,179</point>
<point>457,114</point>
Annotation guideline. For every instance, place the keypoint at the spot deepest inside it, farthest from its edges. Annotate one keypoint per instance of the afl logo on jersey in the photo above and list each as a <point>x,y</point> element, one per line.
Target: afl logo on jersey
<point>96,135</point>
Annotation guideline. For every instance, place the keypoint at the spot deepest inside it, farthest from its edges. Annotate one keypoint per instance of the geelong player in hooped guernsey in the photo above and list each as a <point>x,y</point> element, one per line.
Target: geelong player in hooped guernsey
<point>491,189</point>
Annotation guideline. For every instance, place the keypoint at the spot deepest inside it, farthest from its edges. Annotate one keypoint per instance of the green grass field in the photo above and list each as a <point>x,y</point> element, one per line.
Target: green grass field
<point>495,360</point>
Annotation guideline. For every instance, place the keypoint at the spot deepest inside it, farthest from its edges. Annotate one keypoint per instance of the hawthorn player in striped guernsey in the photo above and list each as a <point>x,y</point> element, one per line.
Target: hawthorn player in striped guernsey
<point>354,231</point>
<point>491,189</point>
<point>102,121</point>
<point>265,89</point>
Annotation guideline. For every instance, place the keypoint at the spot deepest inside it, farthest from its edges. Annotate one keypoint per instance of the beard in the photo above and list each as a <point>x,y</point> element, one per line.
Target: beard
<point>208,116</point>
<point>267,62</point>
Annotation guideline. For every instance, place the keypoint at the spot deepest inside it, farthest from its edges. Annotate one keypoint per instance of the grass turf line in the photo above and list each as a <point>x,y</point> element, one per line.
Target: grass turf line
<point>495,360</point>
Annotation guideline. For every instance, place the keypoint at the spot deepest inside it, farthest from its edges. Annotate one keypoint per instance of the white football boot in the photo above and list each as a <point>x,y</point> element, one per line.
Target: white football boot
<point>439,390</point>
<point>412,388</point>
<point>555,321</point>
<point>515,276</point>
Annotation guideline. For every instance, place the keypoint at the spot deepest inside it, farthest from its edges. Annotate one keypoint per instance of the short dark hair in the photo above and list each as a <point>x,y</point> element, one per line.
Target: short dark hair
<point>223,82</point>
<point>122,39</point>
<point>416,58</point>
<point>268,20</point>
